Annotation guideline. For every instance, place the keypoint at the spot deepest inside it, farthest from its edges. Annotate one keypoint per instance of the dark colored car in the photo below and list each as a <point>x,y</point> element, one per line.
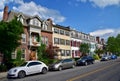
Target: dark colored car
<point>85,60</point>
<point>113,56</point>
<point>62,64</point>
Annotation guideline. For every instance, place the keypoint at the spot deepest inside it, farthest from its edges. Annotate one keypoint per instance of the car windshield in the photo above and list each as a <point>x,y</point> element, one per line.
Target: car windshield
<point>24,64</point>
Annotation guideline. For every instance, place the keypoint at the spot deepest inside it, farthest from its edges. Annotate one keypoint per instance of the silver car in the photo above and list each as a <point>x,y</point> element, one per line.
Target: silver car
<point>27,68</point>
<point>62,64</point>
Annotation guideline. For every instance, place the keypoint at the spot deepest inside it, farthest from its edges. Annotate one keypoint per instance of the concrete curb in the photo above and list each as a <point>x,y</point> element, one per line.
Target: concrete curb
<point>97,61</point>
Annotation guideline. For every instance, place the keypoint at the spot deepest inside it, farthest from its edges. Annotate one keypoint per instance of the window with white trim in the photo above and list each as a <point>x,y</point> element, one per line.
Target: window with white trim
<point>68,52</point>
<point>14,54</point>
<point>62,52</point>
<point>56,40</point>
<point>23,53</point>
<point>24,38</point>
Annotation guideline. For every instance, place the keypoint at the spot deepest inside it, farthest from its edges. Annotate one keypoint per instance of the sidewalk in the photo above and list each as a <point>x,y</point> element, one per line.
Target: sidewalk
<point>3,75</point>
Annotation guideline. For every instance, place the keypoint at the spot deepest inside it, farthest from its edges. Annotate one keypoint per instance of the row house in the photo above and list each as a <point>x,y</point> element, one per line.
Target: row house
<point>46,36</point>
<point>35,30</point>
<point>76,40</point>
<point>61,42</point>
<point>61,39</point>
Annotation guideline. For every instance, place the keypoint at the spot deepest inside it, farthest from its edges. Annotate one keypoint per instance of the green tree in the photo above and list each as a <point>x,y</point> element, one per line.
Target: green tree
<point>118,44</point>
<point>10,34</point>
<point>41,52</point>
<point>84,49</point>
<point>112,45</point>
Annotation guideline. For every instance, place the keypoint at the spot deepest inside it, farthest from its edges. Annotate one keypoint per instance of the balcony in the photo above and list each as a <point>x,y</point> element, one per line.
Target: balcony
<point>34,39</point>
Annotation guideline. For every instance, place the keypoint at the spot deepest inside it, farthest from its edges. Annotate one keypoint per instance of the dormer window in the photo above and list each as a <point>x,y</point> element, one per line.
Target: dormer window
<point>45,26</point>
<point>20,18</point>
<point>35,22</point>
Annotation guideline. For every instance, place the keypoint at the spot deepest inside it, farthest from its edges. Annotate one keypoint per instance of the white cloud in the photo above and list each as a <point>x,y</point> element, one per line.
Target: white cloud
<point>1,15</point>
<point>105,33</point>
<point>1,4</point>
<point>32,8</point>
<point>103,3</point>
<point>102,32</point>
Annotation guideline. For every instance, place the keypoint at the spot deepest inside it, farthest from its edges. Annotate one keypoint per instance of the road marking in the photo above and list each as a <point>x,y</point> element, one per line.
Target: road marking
<point>89,73</point>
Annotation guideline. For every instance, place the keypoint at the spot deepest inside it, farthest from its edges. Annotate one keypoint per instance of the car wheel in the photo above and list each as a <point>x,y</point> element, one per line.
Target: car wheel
<point>21,74</point>
<point>92,62</point>
<point>44,70</point>
<point>86,63</point>
<point>60,68</point>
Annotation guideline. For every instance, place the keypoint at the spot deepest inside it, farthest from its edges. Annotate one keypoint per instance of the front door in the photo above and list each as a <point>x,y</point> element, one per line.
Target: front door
<point>33,55</point>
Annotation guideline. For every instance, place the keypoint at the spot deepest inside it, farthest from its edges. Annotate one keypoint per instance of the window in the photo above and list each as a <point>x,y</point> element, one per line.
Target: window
<point>56,30</point>
<point>56,40</point>
<point>45,26</point>
<point>76,35</point>
<point>78,43</point>
<point>62,52</point>
<point>67,42</point>
<point>67,33</point>
<point>72,53</point>
<point>35,22</point>
<point>23,53</point>
<point>14,55</point>
<point>23,38</point>
<point>62,41</point>
<point>45,40</point>
<point>62,32</point>
<point>68,52</point>
<point>76,53</point>
<point>67,60</point>
<point>72,43</point>
<point>20,19</point>
<point>34,63</point>
<point>71,34</point>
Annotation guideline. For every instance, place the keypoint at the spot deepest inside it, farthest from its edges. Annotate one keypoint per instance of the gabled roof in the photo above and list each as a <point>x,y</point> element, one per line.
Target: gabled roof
<point>12,14</point>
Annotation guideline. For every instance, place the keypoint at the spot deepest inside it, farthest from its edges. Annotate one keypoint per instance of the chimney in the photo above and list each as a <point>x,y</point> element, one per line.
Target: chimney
<point>50,20</point>
<point>98,39</point>
<point>102,41</point>
<point>5,13</point>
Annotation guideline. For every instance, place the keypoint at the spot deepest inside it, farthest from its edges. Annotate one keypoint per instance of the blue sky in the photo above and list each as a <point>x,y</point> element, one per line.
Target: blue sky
<point>95,17</point>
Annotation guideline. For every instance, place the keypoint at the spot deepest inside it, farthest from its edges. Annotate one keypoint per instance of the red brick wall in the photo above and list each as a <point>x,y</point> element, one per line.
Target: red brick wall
<point>48,35</point>
<point>25,45</point>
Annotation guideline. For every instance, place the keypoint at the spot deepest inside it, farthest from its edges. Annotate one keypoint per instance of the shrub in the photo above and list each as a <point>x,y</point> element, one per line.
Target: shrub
<point>96,57</point>
<point>3,68</point>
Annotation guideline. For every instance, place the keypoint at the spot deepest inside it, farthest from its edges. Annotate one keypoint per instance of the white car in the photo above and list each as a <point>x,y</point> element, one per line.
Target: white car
<point>27,68</point>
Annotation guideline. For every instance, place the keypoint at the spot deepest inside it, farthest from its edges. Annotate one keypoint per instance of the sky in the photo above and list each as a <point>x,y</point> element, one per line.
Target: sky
<point>94,17</point>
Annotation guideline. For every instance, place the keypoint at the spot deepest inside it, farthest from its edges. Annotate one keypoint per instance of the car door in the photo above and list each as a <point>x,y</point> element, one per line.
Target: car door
<point>65,63</point>
<point>33,67</point>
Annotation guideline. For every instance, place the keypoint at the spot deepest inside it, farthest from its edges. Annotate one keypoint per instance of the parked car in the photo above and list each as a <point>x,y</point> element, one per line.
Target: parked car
<point>105,58</point>
<point>62,64</point>
<point>85,60</point>
<point>113,56</point>
<point>27,68</point>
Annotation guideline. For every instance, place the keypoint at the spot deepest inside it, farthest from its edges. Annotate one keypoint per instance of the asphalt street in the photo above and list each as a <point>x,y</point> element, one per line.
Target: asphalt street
<point>100,71</point>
